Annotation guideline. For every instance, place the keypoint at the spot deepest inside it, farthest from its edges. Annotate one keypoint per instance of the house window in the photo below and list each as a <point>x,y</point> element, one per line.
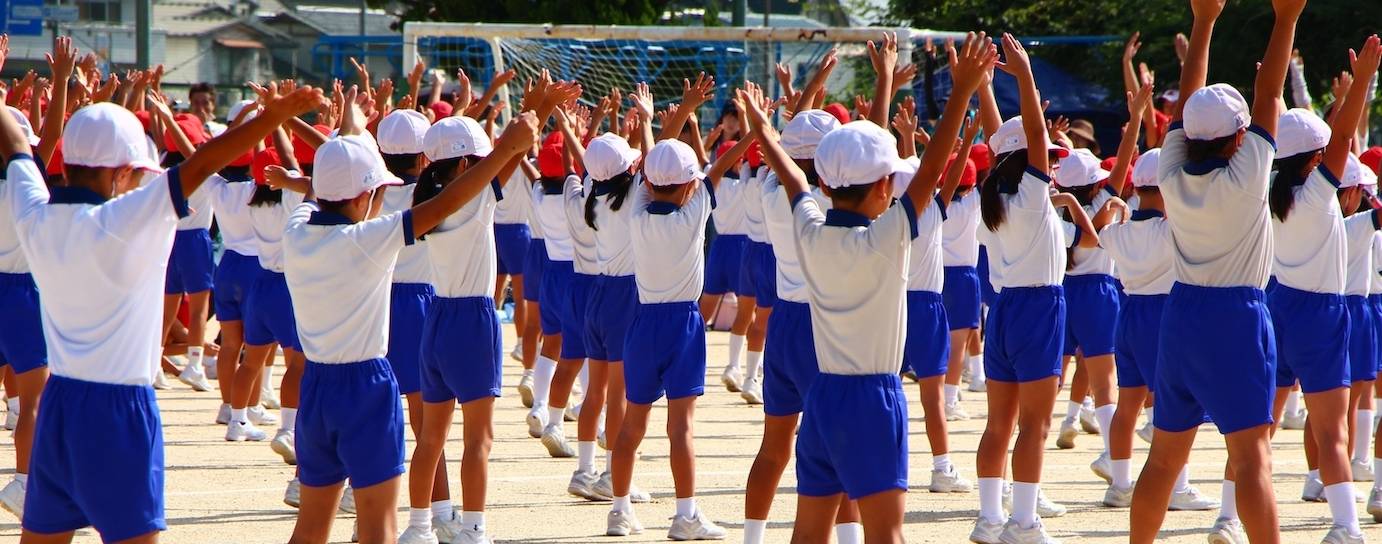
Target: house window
<point>98,11</point>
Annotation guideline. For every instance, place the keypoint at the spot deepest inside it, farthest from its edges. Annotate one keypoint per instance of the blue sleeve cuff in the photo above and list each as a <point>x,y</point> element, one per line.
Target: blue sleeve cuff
<point>1264,134</point>
<point>1377,219</point>
<point>911,210</point>
<point>498,189</point>
<point>940,205</point>
<point>1078,234</point>
<point>20,157</point>
<point>175,191</point>
<point>710,190</point>
<point>1109,189</point>
<point>1038,174</point>
<point>408,237</point>
<point>1176,125</point>
<point>800,197</point>
<point>1329,176</point>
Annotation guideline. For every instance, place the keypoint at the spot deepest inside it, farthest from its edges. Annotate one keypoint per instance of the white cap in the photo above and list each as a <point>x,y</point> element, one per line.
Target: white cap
<point>1080,169</point>
<point>858,153</point>
<point>608,155</point>
<point>347,167</point>
<point>239,107</point>
<point>902,176</point>
<point>24,125</point>
<point>804,132</point>
<point>453,137</point>
<point>1011,137</point>
<point>1171,95</point>
<point>401,132</point>
<point>106,136</point>
<point>1144,173</point>
<point>672,162</point>
<point>1214,112</point>
<point>1300,131</point>
<point>1353,173</point>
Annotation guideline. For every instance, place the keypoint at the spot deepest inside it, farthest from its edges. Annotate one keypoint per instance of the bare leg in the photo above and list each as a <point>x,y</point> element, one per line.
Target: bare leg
<point>933,405</point>
<point>30,389</point>
<point>882,514</point>
<point>248,373</point>
<point>779,435</point>
<point>1152,494</point>
<point>477,422</point>
<point>197,304</point>
<point>232,341</point>
<point>296,362</point>
<point>998,430</point>
<point>431,431</point>
<point>1249,452</point>
<point>815,518</point>
<point>318,510</point>
<point>1035,400</point>
<point>631,432</point>
<point>374,511</point>
<point>681,416</point>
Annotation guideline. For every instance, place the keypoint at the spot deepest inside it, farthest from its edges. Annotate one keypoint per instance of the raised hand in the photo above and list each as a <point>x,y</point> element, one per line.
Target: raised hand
<point>519,136</point>
<point>1132,46</point>
<point>695,94</point>
<point>862,107</point>
<point>5,48</point>
<point>1182,46</point>
<point>1015,60</point>
<point>902,75</point>
<point>643,101</point>
<point>884,56</point>
<point>266,94</point>
<point>107,90</point>
<point>905,120</point>
<point>1139,101</point>
<point>1365,63</point>
<point>362,72</point>
<point>301,100</point>
<point>503,78</point>
<point>784,77</point>
<point>1210,9</point>
<point>61,62</point>
<point>974,61</point>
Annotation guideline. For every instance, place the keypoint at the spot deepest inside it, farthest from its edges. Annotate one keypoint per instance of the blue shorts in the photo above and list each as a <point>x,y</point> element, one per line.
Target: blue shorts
<point>97,461</point>
<point>1376,302</point>
<point>270,317</point>
<point>961,296</point>
<point>1218,358</point>
<point>461,349</point>
<point>1139,336</point>
<point>573,320</point>
<point>1362,339</point>
<point>1091,317</point>
<point>1311,342</point>
<point>609,313</point>
<point>764,274</point>
<point>235,278</point>
<point>555,308</point>
<point>927,351</point>
<point>21,324</point>
<point>789,361</point>
<point>664,352</point>
<point>1025,334</point>
<point>408,304</point>
<point>511,241</point>
<point>987,294</point>
<point>723,264</point>
<point>853,436</point>
<point>533,266</point>
<point>350,424</point>
<point>190,264</point>
<point>1122,295</point>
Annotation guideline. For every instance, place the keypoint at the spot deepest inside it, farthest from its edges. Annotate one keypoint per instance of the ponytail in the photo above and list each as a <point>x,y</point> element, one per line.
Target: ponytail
<point>616,190</point>
<point>432,179</point>
<point>1003,178</point>
<point>1281,197</point>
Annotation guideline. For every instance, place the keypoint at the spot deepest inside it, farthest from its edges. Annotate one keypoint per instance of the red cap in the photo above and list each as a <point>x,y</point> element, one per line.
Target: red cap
<point>304,153</point>
<point>754,155</point>
<point>191,126</point>
<point>970,175</point>
<point>55,163</point>
<point>549,162</point>
<point>1372,157</point>
<point>442,110</point>
<point>554,138</point>
<point>245,159</point>
<point>981,156</point>
<point>724,147</point>
<point>839,111</point>
<point>145,118</point>
<point>262,160</point>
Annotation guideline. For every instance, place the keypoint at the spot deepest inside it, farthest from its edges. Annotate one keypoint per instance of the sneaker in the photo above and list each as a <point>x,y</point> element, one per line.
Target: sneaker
<point>535,421</point>
<point>447,528</point>
<point>1117,497</point>
<point>1294,422</point>
<point>977,386</point>
<point>209,367</point>
<point>730,379</point>
<point>752,393</point>
<point>193,376</point>
<point>1015,534</point>
<point>12,498</point>
<point>1066,439</point>
<point>258,416</point>
<point>1227,531</point>
<point>1088,423</point>
<point>1362,471</point>
<point>912,376</point>
<point>517,352</point>
<point>223,415</point>
<point>1375,505</point>
<point>572,413</point>
<point>1046,508</point>
<point>1191,500</point>
<point>555,441</point>
<point>953,412</point>
<point>347,501</point>
<point>986,532</point>
<point>600,441</point>
<point>525,389</point>
<point>160,382</point>
<point>1313,491</point>
<point>604,491</point>
<point>622,524</point>
<point>11,419</point>
<point>697,528</point>
<point>268,397</point>
<point>293,495</point>
<point>583,485</point>
<point>1103,467</point>
<point>1146,432</point>
<point>949,482</point>
<point>1339,534</point>
<point>471,536</point>
<point>417,535</point>
<point>244,430</point>
<point>284,445</point>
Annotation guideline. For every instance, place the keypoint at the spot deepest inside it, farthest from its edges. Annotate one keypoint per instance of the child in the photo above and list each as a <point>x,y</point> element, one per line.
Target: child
<point>1217,355</point>
<point>724,260</point>
<point>101,315</point>
<point>536,368</point>
<point>512,237</point>
<point>554,371</point>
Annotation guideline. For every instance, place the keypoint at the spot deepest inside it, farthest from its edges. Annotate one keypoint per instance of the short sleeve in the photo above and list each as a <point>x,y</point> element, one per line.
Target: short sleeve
<point>1034,191</point>
<point>1173,156</point>
<point>806,213</point>
<point>1320,189</point>
<point>895,228</point>
<point>301,212</point>
<point>382,237</point>
<point>158,203</point>
<point>1359,228</point>
<point>1071,233</point>
<point>25,189</point>
<point>1251,166</point>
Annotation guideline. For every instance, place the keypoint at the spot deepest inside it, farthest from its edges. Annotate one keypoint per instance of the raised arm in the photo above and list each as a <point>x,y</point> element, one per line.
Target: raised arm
<point>517,139</point>
<point>1195,67</point>
<point>957,169</point>
<point>989,116</point>
<point>1129,52</point>
<point>217,153</point>
<point>692,96</point>
<point>1271,76</point>
<point>571,141</point>
<point>1346,122</point>
<point>905,123</point>
<point>1127,148</point>
<point>61,62</point>
<point>817,83</point>
<point>1089,237</point>
<point>180,140</point>
<point>750,100</point>
<point>1033,119</point>
<point>726,161</point>
<point>884,59</point>
<point>976,56</point>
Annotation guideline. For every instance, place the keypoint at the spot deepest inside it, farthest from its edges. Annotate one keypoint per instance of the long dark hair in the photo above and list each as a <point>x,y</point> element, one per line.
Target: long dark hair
<point>1006,172</point>
<point>434,178</point>
<point>265,195</point>
<point>615,189</point>
<point>1199,150</point>
<point>1290,173</point>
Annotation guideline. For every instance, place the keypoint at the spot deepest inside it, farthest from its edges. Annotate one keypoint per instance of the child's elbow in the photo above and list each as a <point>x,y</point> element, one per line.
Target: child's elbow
<point>1088,240</point>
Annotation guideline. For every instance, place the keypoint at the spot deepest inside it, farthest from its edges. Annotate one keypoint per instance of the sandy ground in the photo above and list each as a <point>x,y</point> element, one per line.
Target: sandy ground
<point>232,492</point>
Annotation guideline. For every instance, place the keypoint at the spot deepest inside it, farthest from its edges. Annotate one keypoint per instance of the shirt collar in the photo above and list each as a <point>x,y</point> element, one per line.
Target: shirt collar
<point>408,179</point>
<point>658,207</point>
<point>1143,215</point>
<point>836,217</point>
<point>328,218</point>
<point>1202,167</point>
<point>75,195</point>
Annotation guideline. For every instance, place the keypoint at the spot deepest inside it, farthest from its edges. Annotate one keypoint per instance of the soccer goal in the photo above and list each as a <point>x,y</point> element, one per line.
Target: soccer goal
<point>602,57</point>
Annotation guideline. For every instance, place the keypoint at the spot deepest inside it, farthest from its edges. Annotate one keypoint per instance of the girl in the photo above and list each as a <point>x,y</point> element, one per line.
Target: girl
<point>557,272</point>
<point>724,261</point>
<point>758,279</point>
<point>512,238</point>
<point>536,369</point>
<point>1363,349</point>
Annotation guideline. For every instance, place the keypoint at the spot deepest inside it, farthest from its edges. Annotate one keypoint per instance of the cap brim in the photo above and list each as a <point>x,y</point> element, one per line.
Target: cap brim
<point>1060,151</point>
<point>386,178</point>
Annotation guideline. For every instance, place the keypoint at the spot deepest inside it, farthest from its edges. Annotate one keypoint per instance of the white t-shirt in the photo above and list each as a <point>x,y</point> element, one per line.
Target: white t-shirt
<point>1310,252</point>
<point>1220,225</point>
<point>517,202</point>
<point>268,222</point>
<point>100,266</point>
<point>753,205</point>
<point>960,231</point>
<point>926,272</point>
<point>1029,248</point>
<point>1142,249</point>
<point>12,259</point>
<point>731,213</point>
<point>781,227</point>
<point>231,200</point>
<point>414,261</point>
<point>612,239</point>
<point>550,211</point>
<point>201,205</point>
<point>669,245</point>
<point>1375,285</point>
<point>461,250</point>
<point>856,280</point>
<point>585,250</point>
<point>340,275</point>
<point>1359,231</point>
<point>1093,260</point>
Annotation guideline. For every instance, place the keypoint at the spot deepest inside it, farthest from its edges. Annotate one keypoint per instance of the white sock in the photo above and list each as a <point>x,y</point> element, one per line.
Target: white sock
<point>941,463</point>
<point>991,500</point>
<point>622,504</point>
<point>237,415</point>
<point>609,459</point>
<point>420,518</point>
<point>1362,435</point>
<point>952,394</point>
<point>1122,473</point>
<point>1088,404</point>
<point>976,368</point>
<point>542,380</point>
<point>583,378</point>
<point>194,357</point>
<point>1024,503</point>
<point>849,533</point>
<point>1150,421</point>
<point>736,348</point>
<point>1182,479</point>
<point>555,416</point>
<point>12,404</point>
<point>1292,404</point>
<point>1228,505</point>
<point>267,383</point>
<point>755,529</point>
<point>1072,410</point>
<point>686,508</point>
<point>442,509</point>
<point>751,371</point>
<point>1313,474</point>
<point>1341,507</point>
<point>288,419</point>
<point>1105,416</point>
<point>585,456</point>
<point>474,521</point>
<point>23,479</point>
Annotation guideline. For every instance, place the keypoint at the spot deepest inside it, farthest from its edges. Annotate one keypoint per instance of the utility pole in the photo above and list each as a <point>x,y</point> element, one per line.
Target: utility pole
<point>741,13</point>
<point>143,35</point>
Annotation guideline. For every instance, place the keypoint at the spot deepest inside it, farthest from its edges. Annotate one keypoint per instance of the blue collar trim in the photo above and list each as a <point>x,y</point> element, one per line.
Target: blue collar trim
<point>407,179</point>
<point>836,217</point>
<point>1143,215</point>
<point>75,195</point>
<point>658,207</point>
<point>1200,168</point>
<point>328,218</point>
